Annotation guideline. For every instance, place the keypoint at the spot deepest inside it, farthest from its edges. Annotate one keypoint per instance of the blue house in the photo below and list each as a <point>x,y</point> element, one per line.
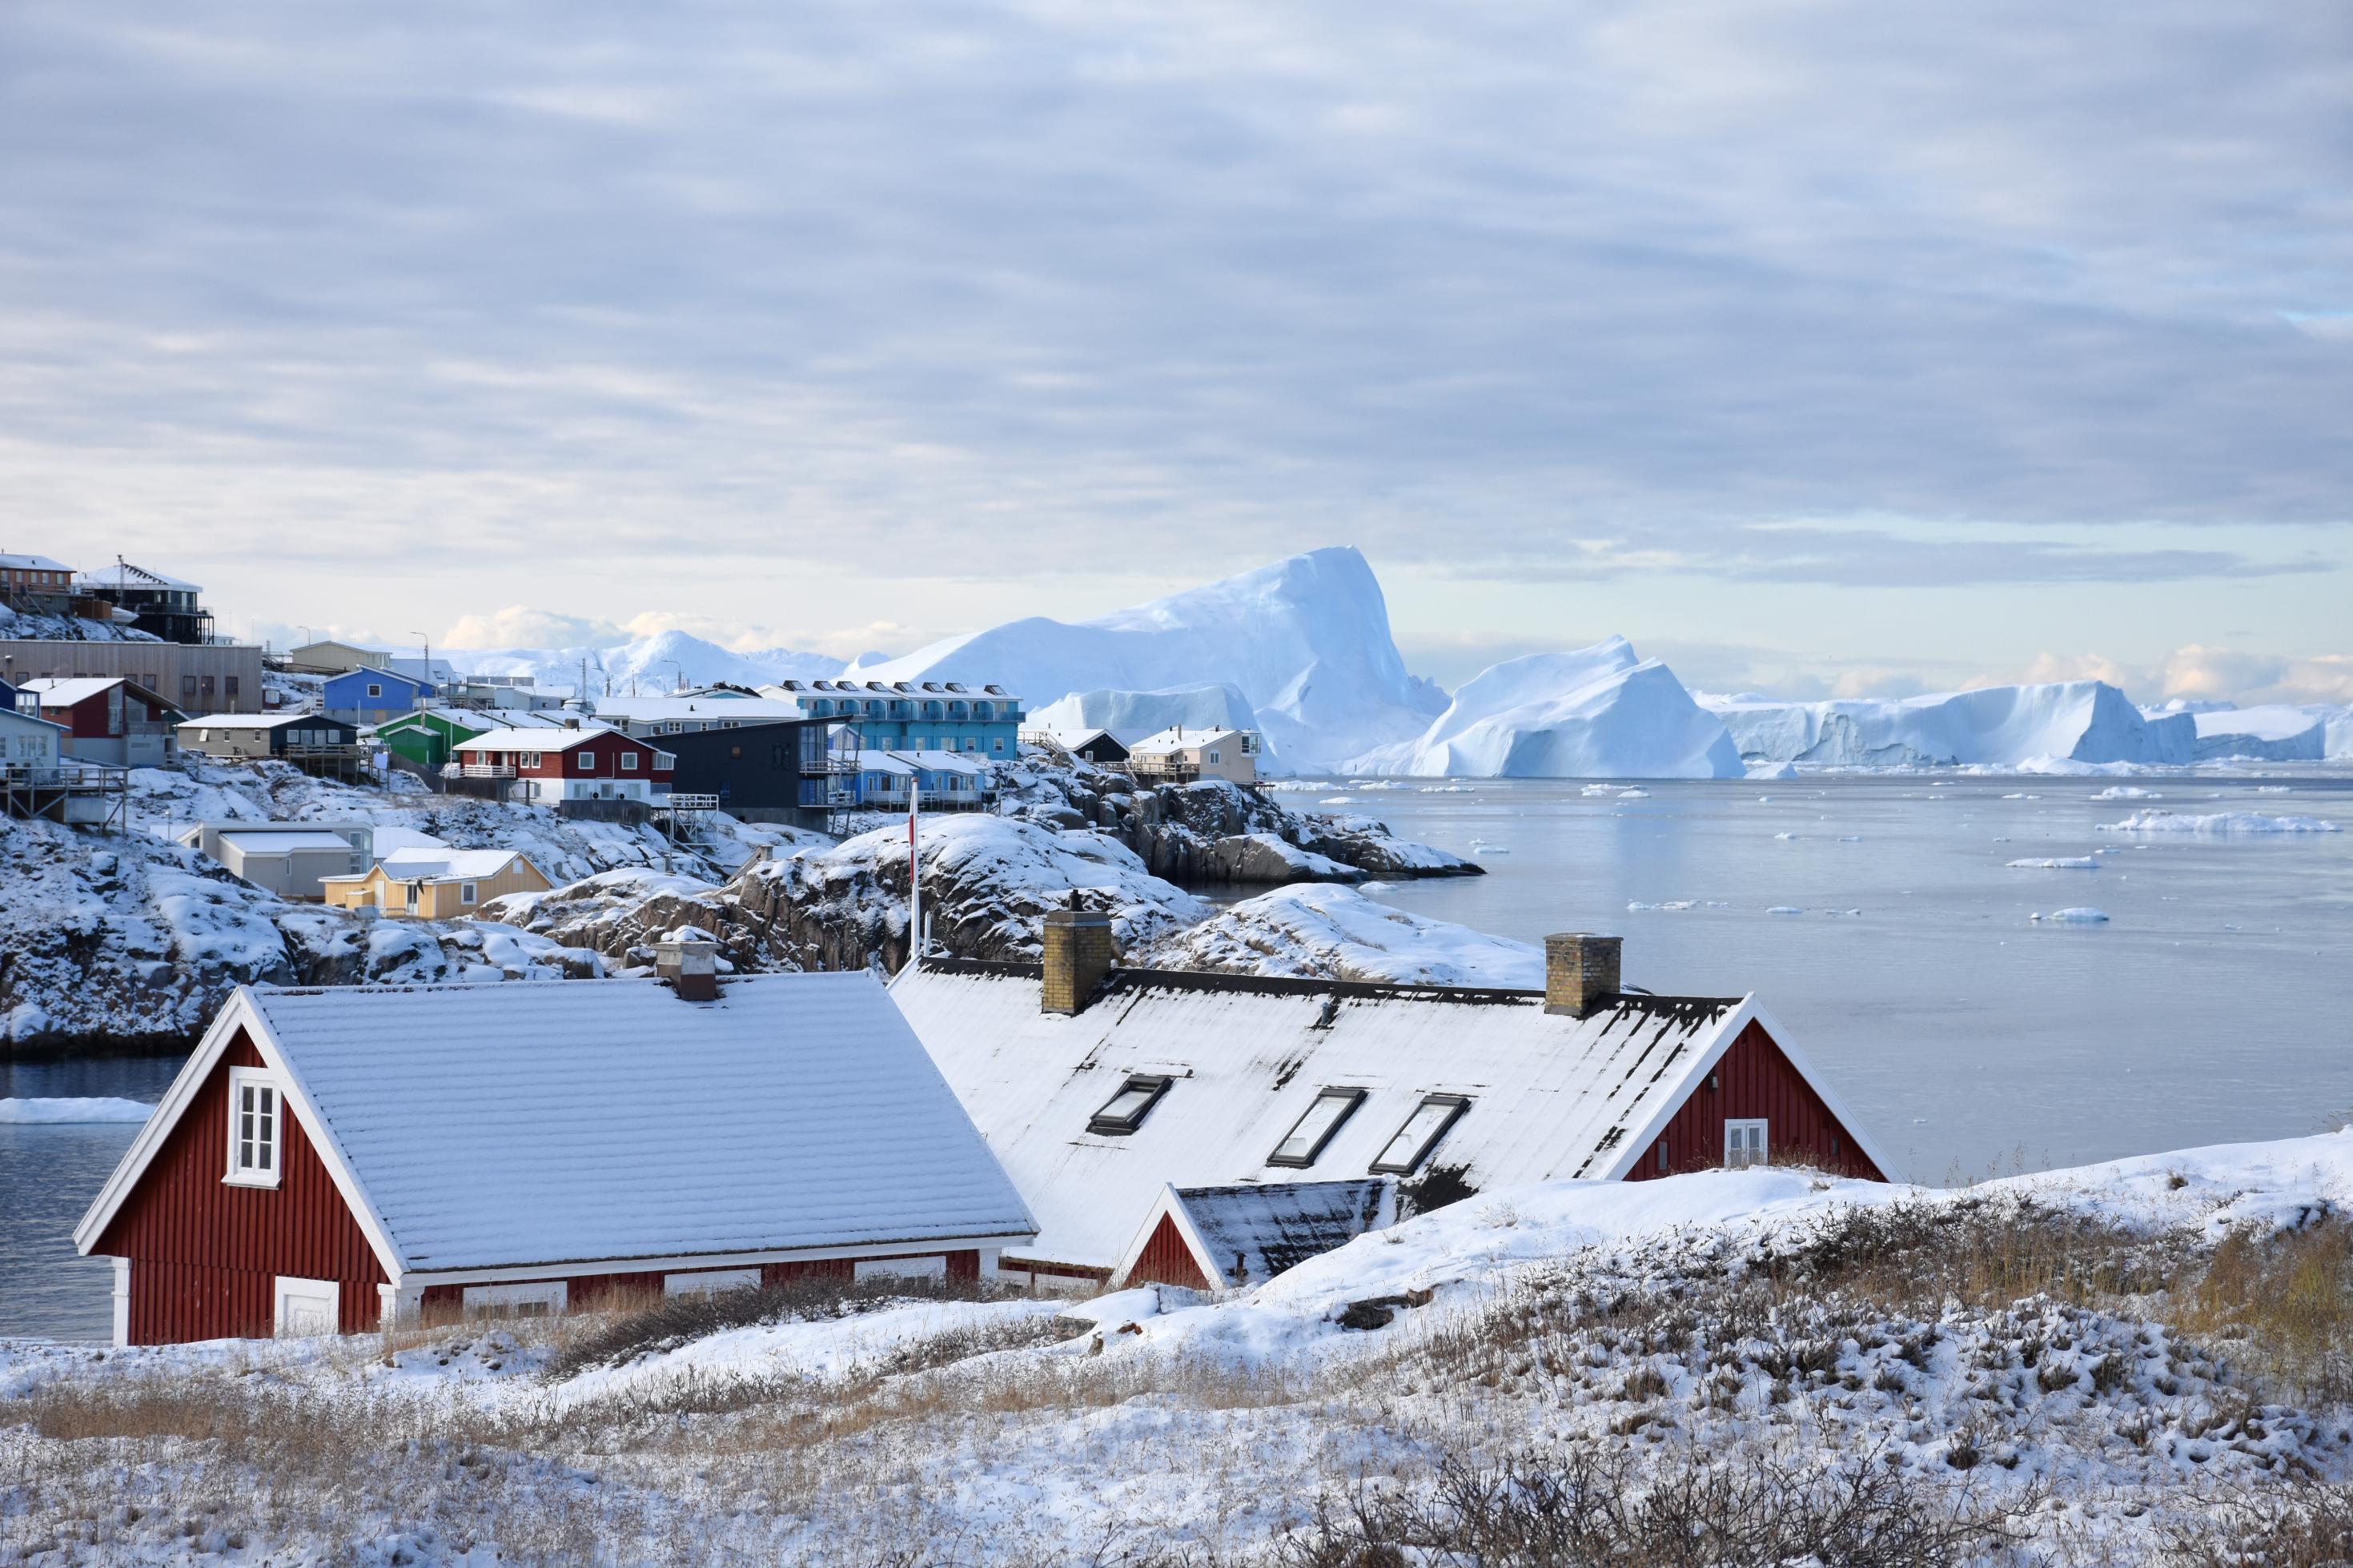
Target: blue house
<point>910,715</point>
<point>371,696</point>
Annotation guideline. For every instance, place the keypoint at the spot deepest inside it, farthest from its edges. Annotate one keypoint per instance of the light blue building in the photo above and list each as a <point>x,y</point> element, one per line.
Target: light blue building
<point>910,715</point>
<point>369,696</point>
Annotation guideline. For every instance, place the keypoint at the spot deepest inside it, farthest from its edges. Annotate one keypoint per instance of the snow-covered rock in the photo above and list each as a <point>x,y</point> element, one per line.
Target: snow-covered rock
<point>1133,715</point>
<point>1337,933</point>
<point>2086,722</point>
<point>1597,712</point>
<point>1305,641</point>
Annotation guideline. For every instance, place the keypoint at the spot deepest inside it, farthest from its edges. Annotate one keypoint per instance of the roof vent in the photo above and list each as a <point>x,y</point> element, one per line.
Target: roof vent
<point>688,958</point>
<point>1580,973</point>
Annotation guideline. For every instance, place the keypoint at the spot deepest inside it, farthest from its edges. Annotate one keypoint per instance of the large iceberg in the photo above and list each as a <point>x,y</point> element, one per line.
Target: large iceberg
<point>1995,726</point>
<point>1599,713</point>
<point>1305,641</point>
<point>1133,715</point>
<point>2270,734</point>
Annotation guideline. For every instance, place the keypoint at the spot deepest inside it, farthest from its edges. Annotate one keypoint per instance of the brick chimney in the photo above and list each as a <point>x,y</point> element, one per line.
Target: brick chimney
<point>1079,953</point>
<point>1580,973</point>
<point>689,960</point>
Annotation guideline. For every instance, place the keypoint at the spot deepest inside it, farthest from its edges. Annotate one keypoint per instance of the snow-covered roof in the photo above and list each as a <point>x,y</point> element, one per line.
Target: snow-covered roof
<point>253,721</point>
<point>587,1122</point>
<point>1180,741</point>
<point>885,762</point>
<point>526,738</point>
<point>1247,1233</point>
<point>670,709</point>
<point>31,563</point>
<point>65,690</point>
<point>267,843</point>
<point>426,865</point>
<point>939,762</point>
<point>123,575</point>
<point>1550,1095</point>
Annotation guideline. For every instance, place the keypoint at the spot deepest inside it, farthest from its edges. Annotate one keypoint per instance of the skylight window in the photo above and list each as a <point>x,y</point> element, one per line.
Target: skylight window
<point>1314,1130</point>
<point>1125,1112</point>
<point>1422,1130</point>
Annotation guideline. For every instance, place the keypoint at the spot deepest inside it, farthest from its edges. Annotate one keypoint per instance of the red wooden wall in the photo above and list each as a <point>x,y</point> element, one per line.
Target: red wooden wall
<point>1166,1260</point>
<point>1755,1080</point>
<point>204,1255</point>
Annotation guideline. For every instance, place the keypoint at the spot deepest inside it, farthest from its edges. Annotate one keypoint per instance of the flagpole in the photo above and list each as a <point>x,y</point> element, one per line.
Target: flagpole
<point>914,874</point>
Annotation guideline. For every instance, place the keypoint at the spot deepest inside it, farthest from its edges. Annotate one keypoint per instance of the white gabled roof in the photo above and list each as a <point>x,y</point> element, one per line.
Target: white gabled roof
<point>255,720</point>
<point>939,762</point>
<point>1551,1096</point>
<point>65,691</point>
<point>1181,740</point>
<point>539,1125</point>
<point>444,865</point>
<point>267,843</point>
<point>32,563</point>
<point>516,738</point>
<point>123,575</point>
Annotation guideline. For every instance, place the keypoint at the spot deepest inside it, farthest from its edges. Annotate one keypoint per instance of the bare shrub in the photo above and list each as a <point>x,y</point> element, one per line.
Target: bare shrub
<point>1597,1507</point>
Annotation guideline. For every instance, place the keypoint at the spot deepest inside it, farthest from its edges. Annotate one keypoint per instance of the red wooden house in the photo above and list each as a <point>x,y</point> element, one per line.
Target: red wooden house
<point>1101,1088</point>
<point>550,766</point>
<point>108,719</point>
<point>334,1159</point>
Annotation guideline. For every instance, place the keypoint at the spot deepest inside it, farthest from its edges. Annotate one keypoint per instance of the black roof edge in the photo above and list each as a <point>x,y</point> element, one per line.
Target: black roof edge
<point>1202,980</point>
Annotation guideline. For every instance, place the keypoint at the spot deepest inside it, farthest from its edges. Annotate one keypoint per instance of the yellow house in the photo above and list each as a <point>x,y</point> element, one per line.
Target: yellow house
<point>435,884</point>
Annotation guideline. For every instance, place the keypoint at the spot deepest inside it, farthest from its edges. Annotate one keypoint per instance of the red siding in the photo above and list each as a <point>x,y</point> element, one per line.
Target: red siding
<point>1166,1260</point>
<point>1755,1080</point>
<point>86,719</point>
<point>205,1253</point>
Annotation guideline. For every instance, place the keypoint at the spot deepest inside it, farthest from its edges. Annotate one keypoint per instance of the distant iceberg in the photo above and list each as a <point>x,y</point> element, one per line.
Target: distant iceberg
<point>2085,721</point>
<point>1600,713</point>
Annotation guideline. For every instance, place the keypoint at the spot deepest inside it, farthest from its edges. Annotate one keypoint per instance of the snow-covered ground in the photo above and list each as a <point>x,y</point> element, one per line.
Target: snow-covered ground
<point>2096,1365</point>
<point>1340,933</point>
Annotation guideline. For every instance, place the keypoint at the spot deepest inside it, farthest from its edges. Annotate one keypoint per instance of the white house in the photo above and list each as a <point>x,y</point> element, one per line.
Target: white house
<point>1182,755</point>
<point>29,744</point>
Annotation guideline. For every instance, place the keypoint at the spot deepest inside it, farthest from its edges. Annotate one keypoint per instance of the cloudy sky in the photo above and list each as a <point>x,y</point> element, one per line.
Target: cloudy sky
<point>1816,346</point>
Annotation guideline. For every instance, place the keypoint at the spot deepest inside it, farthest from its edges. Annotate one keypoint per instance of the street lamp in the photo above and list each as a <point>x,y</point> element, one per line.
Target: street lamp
<point>427,675</point>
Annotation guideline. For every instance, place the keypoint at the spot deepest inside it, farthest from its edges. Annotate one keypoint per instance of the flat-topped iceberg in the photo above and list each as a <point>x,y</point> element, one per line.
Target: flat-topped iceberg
<point>1595,713</point>
<point>2001,726</point>
<point>1132,715</point>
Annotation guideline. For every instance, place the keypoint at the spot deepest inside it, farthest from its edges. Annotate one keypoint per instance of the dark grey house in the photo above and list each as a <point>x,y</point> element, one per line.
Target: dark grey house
<point>768,772</point>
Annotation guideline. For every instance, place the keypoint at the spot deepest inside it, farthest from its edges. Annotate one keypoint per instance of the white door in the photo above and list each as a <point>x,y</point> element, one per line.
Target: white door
<point>306,1307</point>
<point>1744,1142</point>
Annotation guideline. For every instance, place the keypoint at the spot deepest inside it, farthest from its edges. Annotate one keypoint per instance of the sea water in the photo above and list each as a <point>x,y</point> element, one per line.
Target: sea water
<point>1878,921</point>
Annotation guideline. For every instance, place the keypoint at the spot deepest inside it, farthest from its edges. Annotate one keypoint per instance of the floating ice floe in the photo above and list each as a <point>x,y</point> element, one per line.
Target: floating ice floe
<point>1633,794</point>
<point>1785,836</point>
<point>2082,915</point>
<point>1436,789</point>
<point>61,1113</point>
<point>2055,863</point>
<point>2216,822</point>
<point>2127,792</point>
<point>1679,904</point>
<point>1784,910</point>
<point>1481,846</point>
<point>1337,800</point>
<point>2273,789</point>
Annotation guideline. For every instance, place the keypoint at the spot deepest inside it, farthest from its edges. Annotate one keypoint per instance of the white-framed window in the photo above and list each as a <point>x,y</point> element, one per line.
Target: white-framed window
<point>1215,758</point>
<point>256,1119</point>
<point>536,1298</point>
<point>1315,1127</point>
<point>465,892</point>
<point>1744,1142</point>
<point>932,1267</point>
<point>629,762</point>
<point>531,759</point>
<point>710,1281</point>
<point>412,894</point>
<point>375,688</point>
<point>583,761</point>
<point>1430,1120</point>
<point>300,1309</point>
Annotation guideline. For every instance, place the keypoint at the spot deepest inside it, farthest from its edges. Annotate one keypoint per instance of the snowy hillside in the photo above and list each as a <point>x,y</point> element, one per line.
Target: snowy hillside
<point>656,664</point>
<point>2131,1363</point>
<point>1305,641</point>
<point>1330,932</point>
<point>67,629</point>
<point>1600,713</point>
<point>1995,726</point>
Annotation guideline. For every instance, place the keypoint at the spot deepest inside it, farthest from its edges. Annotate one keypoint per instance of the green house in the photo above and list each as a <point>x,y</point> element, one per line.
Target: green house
<point>427,735</point>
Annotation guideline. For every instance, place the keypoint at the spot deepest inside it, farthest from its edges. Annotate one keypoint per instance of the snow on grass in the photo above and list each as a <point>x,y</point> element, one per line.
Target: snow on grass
<point>2220,823</point>
<point>22,1112</point>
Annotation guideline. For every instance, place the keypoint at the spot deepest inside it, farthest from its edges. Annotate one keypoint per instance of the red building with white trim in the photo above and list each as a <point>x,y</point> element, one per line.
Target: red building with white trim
<point>550,766</point>
<point>333,1159</point>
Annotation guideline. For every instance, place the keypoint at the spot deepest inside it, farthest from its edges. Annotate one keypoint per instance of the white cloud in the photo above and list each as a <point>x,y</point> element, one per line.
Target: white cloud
<point>519,626</point>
